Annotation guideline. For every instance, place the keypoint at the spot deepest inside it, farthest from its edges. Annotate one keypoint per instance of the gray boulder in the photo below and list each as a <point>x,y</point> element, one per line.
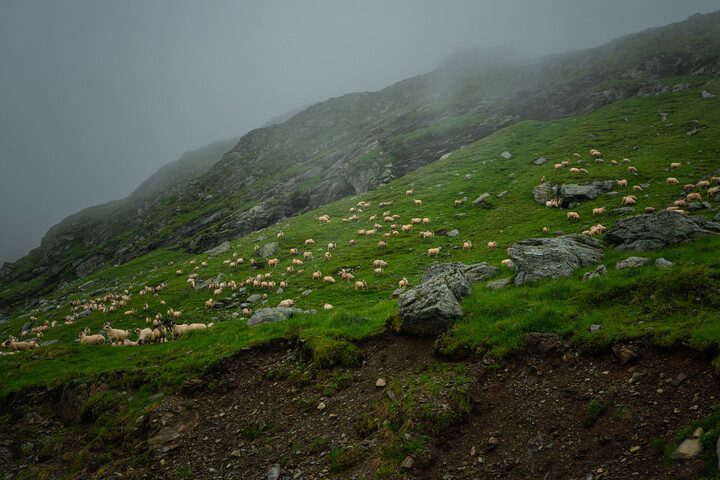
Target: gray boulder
<point>574,193</point>
<point>427,308</point>
<point>632,262</point>
<point>662,263</point>
<point>477,272</point>
<point>657,231</point>
<point>268,315</point>
<point>452,233</point>
<point>498,284</point>
<point>268,249</point>
<point>600,270</point>
<point>222,248</point>
<point>538,258</point>
<point>539,161</point>
<point>506,155</point>
<point>482,198</point>
<point>254,298</point>
<point>545,191</point>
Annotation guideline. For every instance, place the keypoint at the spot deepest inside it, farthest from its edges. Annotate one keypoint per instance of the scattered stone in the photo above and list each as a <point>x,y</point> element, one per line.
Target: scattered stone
<point>600,270</point>
<point>690,448</point>
<point>635,449</point>
<point>506,155</point>
<point>706,94</point>
<point>498,284</point>
<point>321,406</point>
<point>538,258</point>
<point>539,161</point>
<point>194,384</point>
<point>269,315</point>
<point>468,176</point>
<point>407,463</point>
<point>273,472</point>
<point>268,249</point>
<point>502,194</point>
<point>657,231</point>
<point>254,298</point>
<point>380,383</point>
<point>482,198</point>
<point>625,353</point>
<point>662,263</point>
<point>306,292</point>
<point>452,233</point>
<point>426,309</point>
<point>632,262</point>
<point>594,327</point>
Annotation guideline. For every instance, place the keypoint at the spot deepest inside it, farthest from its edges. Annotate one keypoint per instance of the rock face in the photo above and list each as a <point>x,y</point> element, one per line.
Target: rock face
<point>267,315</point>
<point>426,309</point>
<point>660,230</point>
<point>538,258</point>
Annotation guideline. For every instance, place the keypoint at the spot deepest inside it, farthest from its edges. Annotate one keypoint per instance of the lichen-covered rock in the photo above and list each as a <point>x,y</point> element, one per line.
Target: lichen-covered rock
<point>631,262</point>
<point>268,315</point>
<point>660,230</point>
<point>498,284</point>
<point>427,308</point>
<point>268,249</point>
<point>538,258</point>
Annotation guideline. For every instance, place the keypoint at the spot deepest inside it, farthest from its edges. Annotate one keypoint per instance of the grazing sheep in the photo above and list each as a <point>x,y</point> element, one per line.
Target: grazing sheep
<point>574,170</point>
<point>613,162</point>
<point>693,196</point>
<point>715,179</point>
<point>713,191</point>
<point>352,242</point>
<point>546,230</point>
<point>649,209</point>
<point>467,245</point>
<point>672,181</point>
<point>621,183</point>
<point>331,246</point>
<point>426,221</point>
<point>598,211</point>
<point>637,188</point>
<point>632,169</point>
<point>209,303</point>
<point>246,312</point>
<point>86,339</point>
<point>360,285</point>
<point>492,245</point>
<point>115,335</point>
<point>370,232</point>
<point>576,155</point>
<point>403,283</point>
<point>703,184</point>
<point>598,161</point>
<point>675,165</point>
<point>380,263</point>
<point>279,236</point>
<point>307,255</point>
<point>309,241</point>
<point>409,192</point>
<point>679,203</point>
<point>382,243</point>
<point>418,202</point>
<point>558,166</point>
<point>415,221</point>
<point>629,200</point>
<point>378,271</point>
<point>273,262</point>
<point>317,275</point>
<point>178,272</point>
<point>433,251</point>
<point>287,303</point>
<point>324,218</point>
<point>328,279</point>
<point>145,336</point>
<point>626,160</point>
<point>571,215</point>
<point>327,306</point>
<point>458,203</point>
<point>406,228</point>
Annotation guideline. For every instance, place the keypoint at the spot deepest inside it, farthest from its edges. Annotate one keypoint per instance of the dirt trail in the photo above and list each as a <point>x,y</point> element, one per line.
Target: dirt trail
<point>526,418</point>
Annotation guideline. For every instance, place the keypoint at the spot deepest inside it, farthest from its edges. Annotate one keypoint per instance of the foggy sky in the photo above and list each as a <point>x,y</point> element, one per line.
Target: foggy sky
<point>96,95</point>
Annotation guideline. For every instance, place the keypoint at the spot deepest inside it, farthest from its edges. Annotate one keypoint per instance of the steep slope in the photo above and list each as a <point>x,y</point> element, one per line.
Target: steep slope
<point>357,142</point>
<point>521,376</point>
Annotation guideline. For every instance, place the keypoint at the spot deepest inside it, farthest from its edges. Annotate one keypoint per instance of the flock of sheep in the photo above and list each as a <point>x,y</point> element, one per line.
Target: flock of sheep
<point>164,324</point>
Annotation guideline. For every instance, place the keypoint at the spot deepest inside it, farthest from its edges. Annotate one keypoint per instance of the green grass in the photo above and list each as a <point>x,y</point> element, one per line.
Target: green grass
<point>645,301</point>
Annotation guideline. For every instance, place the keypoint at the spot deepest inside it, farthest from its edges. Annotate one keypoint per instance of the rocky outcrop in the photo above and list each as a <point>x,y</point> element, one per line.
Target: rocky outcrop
<point>426,310</point>
<point>631,262</point>
<point>268,249</point>
<point>571,192</point>
<point>268,315</point>
<point>660,230</point>
<point>538,258</point>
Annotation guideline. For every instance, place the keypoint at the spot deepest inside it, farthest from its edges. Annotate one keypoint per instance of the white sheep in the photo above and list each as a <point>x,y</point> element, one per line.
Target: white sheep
<point>115,335</point>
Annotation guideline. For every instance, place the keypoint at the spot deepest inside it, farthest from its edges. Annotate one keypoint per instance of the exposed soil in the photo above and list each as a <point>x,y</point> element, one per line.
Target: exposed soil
<point>526,419</point>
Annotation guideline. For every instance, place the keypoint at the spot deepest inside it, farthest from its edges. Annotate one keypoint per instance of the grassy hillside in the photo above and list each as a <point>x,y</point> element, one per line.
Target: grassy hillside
<point>645,301</point>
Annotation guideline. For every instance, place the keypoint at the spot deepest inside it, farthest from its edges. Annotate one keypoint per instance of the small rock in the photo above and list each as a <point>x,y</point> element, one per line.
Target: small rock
<point>407,463</point>
<point>539,161</point>
<point>634,449</point>
<point>273,472</point>
<point>380,382</point>
<point>321,406</point>
<point>594,328</point>
<point>625,353</point>
<point>502,194</point>
<point>306,292</point>
<point>631,262</point>
<point>706,94</point>
<point>662,263</point>
<point>688,449</point>
<point>468,176</point>
<point>506,155</point>
<point>482,198</point>
<point>498,284</point>
<point>452,233</point>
